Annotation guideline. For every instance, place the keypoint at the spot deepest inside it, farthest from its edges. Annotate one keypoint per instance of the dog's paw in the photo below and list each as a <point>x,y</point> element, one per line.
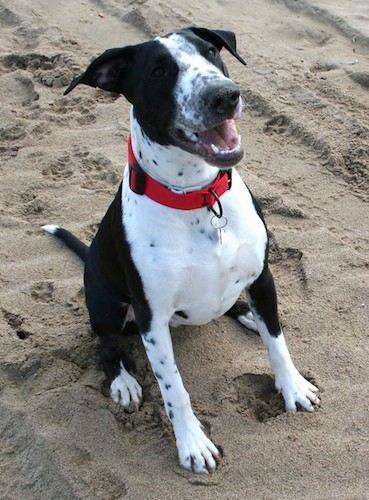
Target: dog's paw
<point>247,320</point>
<point>125,389</point>
<point>240,311</point>
<point>196,452</point>
<point>296,390</point>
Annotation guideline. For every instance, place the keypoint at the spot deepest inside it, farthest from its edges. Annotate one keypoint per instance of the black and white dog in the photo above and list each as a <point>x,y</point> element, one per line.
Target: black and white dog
<point>184,236</point>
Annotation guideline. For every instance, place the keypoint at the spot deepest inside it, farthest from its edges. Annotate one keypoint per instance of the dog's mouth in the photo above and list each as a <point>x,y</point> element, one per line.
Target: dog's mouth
<point>220,145</point>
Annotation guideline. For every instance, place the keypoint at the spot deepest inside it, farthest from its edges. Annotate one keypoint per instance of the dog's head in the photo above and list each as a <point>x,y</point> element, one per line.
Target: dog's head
<point>180,90</point>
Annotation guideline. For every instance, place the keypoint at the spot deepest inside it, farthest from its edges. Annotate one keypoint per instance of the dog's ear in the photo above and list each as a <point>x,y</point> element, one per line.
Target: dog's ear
<point>107,71</point>
<point>220,39</point>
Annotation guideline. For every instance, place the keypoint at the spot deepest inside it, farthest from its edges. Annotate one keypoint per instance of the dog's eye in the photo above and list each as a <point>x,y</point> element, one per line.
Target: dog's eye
<point>212,52</point>
<point>158,72</point>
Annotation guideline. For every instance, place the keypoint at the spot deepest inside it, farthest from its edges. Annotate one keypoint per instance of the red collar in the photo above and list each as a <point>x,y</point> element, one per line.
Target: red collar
<point>142,183</point>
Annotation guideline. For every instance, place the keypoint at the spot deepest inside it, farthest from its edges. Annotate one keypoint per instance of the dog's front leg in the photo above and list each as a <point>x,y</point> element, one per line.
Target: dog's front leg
<point>293,386</point>
<point>196,451</point>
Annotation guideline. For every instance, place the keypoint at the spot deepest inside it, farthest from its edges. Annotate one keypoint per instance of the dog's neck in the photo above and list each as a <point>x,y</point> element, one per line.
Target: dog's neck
<point>170,165</point>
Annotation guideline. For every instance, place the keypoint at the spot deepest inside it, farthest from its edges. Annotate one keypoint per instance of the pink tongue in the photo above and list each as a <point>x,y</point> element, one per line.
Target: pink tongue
<point>223,136</point>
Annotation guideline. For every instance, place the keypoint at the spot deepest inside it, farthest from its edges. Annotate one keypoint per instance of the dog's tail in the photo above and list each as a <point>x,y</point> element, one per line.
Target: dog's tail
<point>77,246</point>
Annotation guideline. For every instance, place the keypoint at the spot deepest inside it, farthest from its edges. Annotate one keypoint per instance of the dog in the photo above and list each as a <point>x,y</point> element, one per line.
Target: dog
<point>184,236</point>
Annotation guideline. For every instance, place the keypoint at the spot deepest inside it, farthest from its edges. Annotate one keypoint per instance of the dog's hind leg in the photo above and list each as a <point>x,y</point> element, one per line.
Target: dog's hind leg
<point>124,388</point>
<point>108,317</point>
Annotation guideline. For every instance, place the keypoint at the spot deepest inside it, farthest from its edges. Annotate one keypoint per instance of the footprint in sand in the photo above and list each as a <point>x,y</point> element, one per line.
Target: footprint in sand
<point>43,291</point>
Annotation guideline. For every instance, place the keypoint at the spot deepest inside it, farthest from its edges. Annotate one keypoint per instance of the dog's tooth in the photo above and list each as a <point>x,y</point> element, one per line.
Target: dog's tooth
<point>191,136</point>
<point>215,149</point>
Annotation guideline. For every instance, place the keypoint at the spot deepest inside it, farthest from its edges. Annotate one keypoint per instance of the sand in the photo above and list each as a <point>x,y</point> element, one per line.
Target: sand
<point>305,128</point>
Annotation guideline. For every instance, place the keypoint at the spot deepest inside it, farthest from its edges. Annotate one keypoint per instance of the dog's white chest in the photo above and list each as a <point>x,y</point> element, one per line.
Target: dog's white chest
<point>191,273</point>
<point>212,276</point>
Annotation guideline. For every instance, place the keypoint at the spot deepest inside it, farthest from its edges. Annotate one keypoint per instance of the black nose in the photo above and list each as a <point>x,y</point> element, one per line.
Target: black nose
<point>222,98</point>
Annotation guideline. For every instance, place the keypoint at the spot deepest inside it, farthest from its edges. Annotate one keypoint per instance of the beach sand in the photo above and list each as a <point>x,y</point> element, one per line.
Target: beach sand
<point>305,128</point>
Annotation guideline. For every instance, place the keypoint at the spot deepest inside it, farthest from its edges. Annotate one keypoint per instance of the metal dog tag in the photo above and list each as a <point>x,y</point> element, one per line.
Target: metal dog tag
<point>219,223</point>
